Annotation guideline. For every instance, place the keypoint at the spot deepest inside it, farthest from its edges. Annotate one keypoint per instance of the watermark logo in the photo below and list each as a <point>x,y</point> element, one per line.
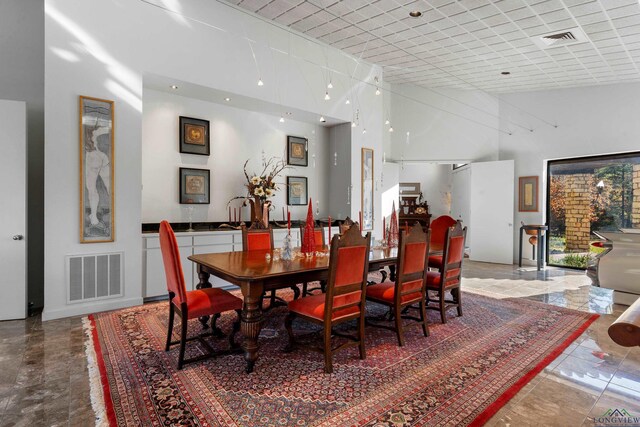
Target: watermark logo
<point>617,417</point>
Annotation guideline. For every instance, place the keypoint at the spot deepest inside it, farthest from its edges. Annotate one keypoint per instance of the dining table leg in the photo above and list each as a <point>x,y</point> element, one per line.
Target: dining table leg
<point>203,283</point>
<point>251,321</point>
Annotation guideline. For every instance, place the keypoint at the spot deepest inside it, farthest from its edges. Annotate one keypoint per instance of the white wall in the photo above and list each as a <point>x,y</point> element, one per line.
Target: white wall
<point>435,183</point>
<point>590,120</point>
<point>443,124</point>
<point>236,135</point>
<point>96,48</point>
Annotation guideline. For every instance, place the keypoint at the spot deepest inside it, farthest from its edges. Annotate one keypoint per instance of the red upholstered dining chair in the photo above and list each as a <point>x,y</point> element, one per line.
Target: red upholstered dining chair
<point>448,278</point>
<point>318,234</point>
<point>261,239</point>
<point>439,227</point>
<point>344,299</point>
<point>410,285</point>
<point>191,304</point>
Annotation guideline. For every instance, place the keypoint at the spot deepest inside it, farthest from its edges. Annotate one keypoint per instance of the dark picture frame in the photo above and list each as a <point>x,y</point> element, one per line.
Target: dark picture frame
<point>195,186</point>
<point>528,194</point>
<point>297,191</point>
<point>297,153</point>
<point>194,136</point>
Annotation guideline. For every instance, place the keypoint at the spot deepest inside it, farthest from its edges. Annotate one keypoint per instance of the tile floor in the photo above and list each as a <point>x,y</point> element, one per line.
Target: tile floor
<point>44,380</point>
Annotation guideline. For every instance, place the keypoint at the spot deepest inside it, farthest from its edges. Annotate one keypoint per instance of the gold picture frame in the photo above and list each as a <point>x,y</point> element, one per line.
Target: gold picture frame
<point>528,194</point>
<point>97,201</point>
<point>367,189</point>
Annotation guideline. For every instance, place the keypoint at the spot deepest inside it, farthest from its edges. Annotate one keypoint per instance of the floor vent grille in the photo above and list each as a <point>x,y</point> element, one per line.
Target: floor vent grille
<point>94,277</point>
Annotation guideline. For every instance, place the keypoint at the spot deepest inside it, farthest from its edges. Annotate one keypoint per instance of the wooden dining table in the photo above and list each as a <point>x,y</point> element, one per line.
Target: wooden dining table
<point>255,272</point>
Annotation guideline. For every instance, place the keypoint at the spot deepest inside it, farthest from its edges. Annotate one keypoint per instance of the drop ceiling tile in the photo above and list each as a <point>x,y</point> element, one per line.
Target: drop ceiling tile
<point>508,5</point>
<point>592,18</point>
<point>463,18</point>
<point>586,8</point>
<point>474,26</point>
<point>253,5</point>
<point>485,11</point>
<point>628,21</point>
<point>548,6</point>
<point>619,12</point>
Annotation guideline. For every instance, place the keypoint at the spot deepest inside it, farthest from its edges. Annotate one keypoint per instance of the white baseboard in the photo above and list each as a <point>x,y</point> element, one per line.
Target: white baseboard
<point>95,307</point>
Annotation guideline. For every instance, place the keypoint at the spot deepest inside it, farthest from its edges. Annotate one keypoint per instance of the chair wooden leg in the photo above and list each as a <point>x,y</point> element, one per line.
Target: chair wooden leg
<point>183,342</point>
<point>170,332</point>
<point>443,312</point>
<point>399,330</point>
<point>328,362</point>
<point>457,298</point>
<point>363,352</point>
<point>288,322</point>
<point>423,317</point>
<point>272,299</point>
<point>215,331</point>
<point>296,292</point>
<point>236,328</point>
<point>304,289</point>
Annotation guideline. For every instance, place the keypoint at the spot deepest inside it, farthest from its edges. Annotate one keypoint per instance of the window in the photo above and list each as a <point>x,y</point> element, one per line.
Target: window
<point>589,194</point>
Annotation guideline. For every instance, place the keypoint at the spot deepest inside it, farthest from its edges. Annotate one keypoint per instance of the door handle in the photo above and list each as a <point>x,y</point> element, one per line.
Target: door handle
<point>18,237</point>
<point>510,224</point>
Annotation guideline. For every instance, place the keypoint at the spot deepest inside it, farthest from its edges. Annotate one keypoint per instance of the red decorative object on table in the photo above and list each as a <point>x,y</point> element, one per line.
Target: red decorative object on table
<point>309,238</point>
<point>393,227</point>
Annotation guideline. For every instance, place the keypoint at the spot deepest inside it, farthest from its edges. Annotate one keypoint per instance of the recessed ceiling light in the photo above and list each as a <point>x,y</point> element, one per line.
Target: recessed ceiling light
<point>174,87</point>
<point>288,113</point>
<point>415,14</point>
<point>227,99</point>
<point>505,73</point>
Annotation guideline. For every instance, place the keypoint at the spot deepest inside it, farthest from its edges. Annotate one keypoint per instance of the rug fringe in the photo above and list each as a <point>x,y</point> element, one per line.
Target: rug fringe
<point>97,396</point>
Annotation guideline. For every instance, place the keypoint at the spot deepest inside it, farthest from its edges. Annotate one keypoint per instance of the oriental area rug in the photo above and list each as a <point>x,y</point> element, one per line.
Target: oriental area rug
<point>461,374</point>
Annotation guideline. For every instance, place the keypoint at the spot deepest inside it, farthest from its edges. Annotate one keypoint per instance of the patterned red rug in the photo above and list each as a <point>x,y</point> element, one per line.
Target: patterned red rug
<point>460,375</point>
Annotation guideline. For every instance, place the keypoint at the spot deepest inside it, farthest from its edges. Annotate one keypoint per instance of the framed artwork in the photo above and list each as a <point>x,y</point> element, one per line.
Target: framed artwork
<point>297,190</point>
<point>367,189</point>
<point>194,136</point>
<point>528,194</point>
<point>194,186</point>
<point>96,126</point>
<point>297,151</point>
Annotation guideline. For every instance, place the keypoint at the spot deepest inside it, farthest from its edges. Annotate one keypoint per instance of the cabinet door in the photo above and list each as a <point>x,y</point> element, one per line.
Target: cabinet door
<point>155,281</point>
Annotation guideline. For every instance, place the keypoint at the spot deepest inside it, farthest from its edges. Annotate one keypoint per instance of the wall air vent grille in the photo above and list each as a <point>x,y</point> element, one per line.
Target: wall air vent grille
<point>561,38</point>
<point>94,277</point>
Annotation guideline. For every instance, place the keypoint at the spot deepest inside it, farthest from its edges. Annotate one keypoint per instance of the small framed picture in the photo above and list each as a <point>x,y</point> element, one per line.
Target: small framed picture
<point>194,186</point>
<point>297,190</point>
<point>194,136</point>
<point>297,151</point>
<point>528,194</point>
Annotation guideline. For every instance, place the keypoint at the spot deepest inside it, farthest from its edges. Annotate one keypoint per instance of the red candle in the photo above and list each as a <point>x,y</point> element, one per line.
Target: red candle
<point>329,229</point>
<point>384,229</point>
<point>289,222</point>
<point>229,214</point>
<point>360,217</point>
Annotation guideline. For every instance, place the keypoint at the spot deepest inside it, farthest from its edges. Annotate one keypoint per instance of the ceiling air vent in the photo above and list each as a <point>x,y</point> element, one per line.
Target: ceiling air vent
<point>561,38</point>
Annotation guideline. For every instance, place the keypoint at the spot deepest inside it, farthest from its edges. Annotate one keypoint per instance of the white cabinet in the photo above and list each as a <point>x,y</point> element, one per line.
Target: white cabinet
<point>154,281</point>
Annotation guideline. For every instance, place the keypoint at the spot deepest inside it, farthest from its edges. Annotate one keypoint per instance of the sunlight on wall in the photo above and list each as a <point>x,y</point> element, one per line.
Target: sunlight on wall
<point>175,7</point>
<point>130,82</point>
<point>65,54</point>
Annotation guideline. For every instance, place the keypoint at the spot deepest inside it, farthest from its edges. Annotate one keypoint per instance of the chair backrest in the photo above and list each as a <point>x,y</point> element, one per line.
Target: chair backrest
<point>439,227</point>
<point>318,235</point>
<point>348,271</point>
<point>347,224</point>
<point>453,255</point>
<point>412,265</point>
<point>172,265</point>
<point>257,239</point>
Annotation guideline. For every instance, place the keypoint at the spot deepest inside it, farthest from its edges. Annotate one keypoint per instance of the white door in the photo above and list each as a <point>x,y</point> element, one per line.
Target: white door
<point>13,141</point>
<point>492,187</point>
